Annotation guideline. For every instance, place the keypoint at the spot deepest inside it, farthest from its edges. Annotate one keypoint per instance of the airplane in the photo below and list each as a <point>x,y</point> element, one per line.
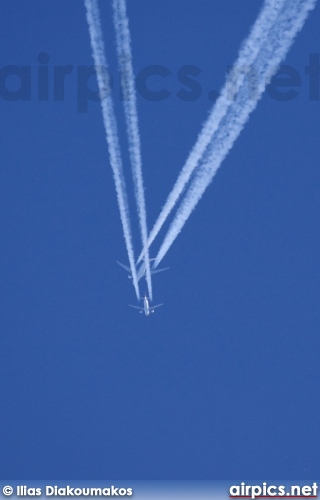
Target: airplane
<point>147,309</point>
<point>142,270</point>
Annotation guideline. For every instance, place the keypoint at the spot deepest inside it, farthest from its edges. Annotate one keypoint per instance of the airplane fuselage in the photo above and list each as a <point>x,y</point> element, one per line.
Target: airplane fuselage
<point>146,306</point>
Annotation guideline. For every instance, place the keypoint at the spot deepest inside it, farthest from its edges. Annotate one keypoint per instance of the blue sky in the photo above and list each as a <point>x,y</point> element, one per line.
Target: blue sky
<point>222,381</point>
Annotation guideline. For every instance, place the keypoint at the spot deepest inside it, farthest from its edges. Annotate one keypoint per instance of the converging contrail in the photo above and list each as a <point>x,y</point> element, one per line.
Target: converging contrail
<point>274,49</point>
<point>93,19</point>
<point>124,52</point>
<point>247,54</point>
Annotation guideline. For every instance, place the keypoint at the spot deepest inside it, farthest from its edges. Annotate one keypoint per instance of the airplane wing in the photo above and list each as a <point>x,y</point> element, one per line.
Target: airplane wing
<point>154,307</point>
<point>124,267</point>
<point>159,270</point>
<point>137,307</point>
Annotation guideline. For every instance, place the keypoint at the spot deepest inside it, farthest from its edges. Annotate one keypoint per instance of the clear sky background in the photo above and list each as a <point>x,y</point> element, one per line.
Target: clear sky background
<point>223,381</point>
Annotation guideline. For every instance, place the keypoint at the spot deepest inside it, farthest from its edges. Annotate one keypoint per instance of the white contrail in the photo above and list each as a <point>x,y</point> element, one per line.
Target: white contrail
<point>93,19</point>
<point>247,54</point>
<point>274,49</point>
<point>124,52</point>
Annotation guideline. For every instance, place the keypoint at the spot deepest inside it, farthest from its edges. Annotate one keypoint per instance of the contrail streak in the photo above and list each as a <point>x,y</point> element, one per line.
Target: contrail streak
<point>96,39</point>
<point>124,52</point>
<point>247,54</point>
<point>274,50</point>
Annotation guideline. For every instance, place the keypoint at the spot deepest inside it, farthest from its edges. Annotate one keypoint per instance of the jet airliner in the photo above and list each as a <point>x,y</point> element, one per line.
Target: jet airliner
<point>141,271</point>
<point>147,309</point>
